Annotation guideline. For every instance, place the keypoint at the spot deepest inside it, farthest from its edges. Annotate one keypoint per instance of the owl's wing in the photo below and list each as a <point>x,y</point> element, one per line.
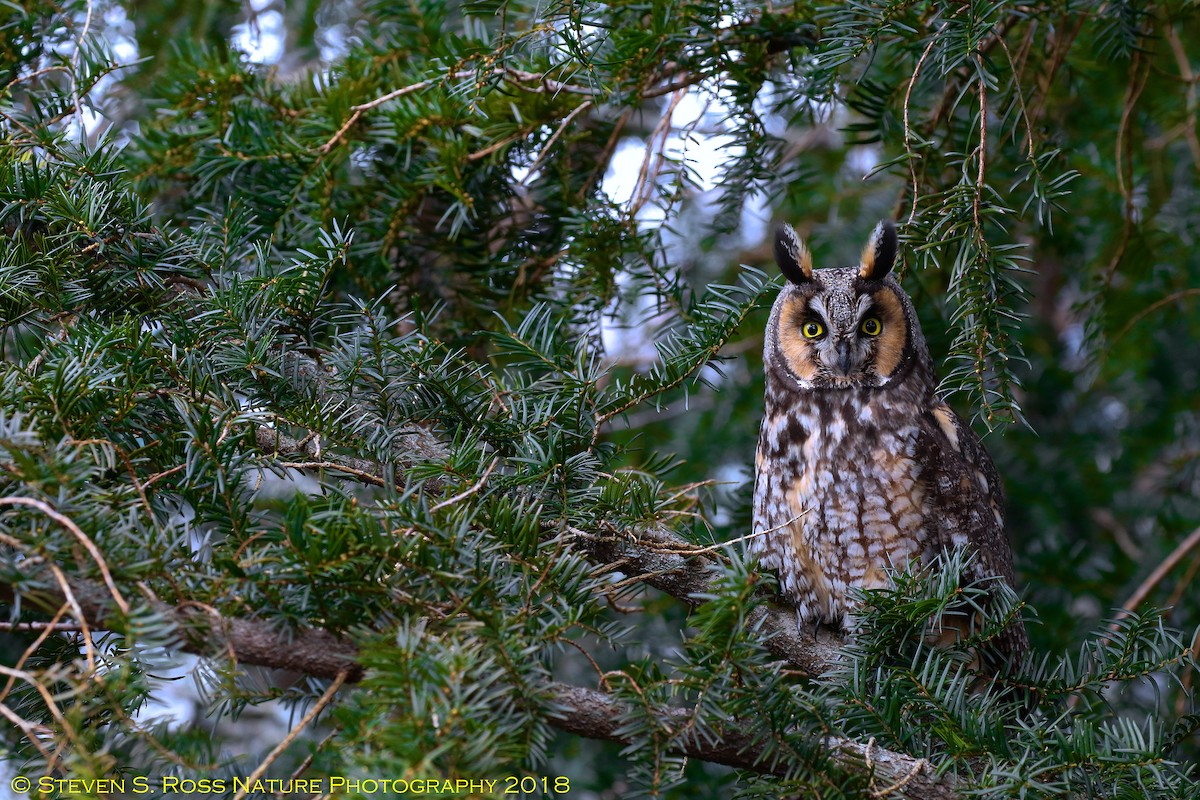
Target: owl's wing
<point>775,523</point>
<point>967,502</point>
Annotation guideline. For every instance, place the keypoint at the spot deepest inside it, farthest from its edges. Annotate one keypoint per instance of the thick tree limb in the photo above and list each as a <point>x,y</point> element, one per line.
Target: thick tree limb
<point>654,558</point>
<point>596,715</point>
<point>583,712</point>
<point>201,630</point>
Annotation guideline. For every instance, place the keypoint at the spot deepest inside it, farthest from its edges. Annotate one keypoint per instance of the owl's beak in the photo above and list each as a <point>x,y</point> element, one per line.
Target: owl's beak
<point>845,359</point>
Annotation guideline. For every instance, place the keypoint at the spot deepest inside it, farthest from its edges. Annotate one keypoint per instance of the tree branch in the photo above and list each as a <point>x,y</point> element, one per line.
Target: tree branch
<point>656,556</point>
<point>660,558</point>
<point>413,444</point>
<point>596,715</point>
<point>575,710</point>
<point>203,631</point>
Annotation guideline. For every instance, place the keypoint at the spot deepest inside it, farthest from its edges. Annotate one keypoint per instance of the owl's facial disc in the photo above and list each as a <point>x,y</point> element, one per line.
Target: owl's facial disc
<point>832,337</point>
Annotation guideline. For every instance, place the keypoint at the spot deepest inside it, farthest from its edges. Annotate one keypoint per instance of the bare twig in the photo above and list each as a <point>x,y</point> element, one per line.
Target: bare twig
<point>1062,40</point>
<point>28,728</point>
<point>68,596</point>
<point>362,475</point>
<point>44,627</point>
<point>467,493</point>
<point>919,766</point>
<point>541,156</point>
<point>912,167</point>
<point>606,154</point>
<point>499,144</point>
<point>1132,93</point>
<point>1124,157</point>
<point>75,57</point>
<point>1189,78</point>
<point>656,148</point>
<point>78,533</point>
<point>47,629</point>
<point>261,769</point>
<point>66,320</point>
<point>979,178</point>
<point>1154,578</point>
<point>528,81</point>
<point>1150,309</point>
<point>47,698</point>
<point>1020,97</point>
<point>357,111</point>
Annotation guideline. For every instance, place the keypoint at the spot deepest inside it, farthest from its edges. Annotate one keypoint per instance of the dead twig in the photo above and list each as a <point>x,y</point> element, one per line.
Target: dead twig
<point>1189,77</point>
<point>82,537</point>
<point>323,701</point>
<point>656,153</point>
<point>365,477</point>
<point>44,627</point>
<point>47,628</point>
<point>912,167</point>
<point>529,81</point>
<point>554,137</point>
<point>1155,578</point>
<point>465,494</point>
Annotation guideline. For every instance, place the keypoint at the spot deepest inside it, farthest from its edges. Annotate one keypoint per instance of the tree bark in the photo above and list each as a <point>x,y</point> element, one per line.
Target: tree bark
<point>596,715</point>
<point>576,710</point>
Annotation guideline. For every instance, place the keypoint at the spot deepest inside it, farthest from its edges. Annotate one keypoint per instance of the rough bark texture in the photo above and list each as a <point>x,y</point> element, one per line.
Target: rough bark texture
<point>312,651</point>
<point>576,710</point>
<point>596,715</point>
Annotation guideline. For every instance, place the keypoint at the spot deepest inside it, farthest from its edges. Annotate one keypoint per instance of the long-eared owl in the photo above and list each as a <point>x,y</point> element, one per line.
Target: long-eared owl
<point>860,466</point>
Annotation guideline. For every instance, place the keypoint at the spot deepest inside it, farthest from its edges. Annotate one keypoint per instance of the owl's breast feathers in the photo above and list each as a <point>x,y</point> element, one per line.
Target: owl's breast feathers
<point>851,483</point>
<point>840,496</point>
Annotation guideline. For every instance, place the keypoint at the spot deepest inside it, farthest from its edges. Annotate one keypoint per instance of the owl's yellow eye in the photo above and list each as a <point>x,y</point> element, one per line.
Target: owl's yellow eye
<point>871,326</point>
<point>812,330</point>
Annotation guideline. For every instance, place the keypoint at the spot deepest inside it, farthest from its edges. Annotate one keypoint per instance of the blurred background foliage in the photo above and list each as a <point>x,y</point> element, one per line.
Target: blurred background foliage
<point>510,203</point>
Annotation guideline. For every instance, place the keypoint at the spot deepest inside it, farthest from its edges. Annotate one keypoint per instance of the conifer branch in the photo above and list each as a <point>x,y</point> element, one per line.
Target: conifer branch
<point>596,715</point>
<point>656,556</point>
<point>659,558</point>
<point>1130,606</point>
<point>271,442</point>
<point>415,444</point>
<point>653,556</point>
<point>584,712</point>
<point>312,651</point>
<point>526,80</point>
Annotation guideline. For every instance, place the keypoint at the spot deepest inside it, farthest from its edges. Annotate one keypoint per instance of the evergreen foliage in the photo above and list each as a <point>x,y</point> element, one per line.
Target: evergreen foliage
<point>413,381</point>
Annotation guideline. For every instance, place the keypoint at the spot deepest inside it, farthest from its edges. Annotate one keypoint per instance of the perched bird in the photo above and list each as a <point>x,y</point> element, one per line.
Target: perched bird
<point>861,467</point>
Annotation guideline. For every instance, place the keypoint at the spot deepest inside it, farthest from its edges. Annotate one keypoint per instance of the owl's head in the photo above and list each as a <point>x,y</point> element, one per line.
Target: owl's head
<point>842,328</point>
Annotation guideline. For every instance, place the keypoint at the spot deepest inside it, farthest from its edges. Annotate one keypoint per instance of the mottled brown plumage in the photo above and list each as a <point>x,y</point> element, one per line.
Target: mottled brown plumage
<point>861,467</point>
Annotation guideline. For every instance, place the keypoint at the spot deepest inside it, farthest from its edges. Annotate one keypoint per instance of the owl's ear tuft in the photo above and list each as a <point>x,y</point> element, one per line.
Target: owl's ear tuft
<point>879,256</point>
<point>792,256</point>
